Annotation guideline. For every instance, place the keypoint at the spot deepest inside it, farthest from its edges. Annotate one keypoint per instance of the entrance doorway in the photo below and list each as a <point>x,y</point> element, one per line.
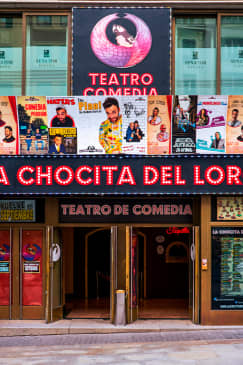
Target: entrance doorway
<point>163,272</point>
<point>87,273</point>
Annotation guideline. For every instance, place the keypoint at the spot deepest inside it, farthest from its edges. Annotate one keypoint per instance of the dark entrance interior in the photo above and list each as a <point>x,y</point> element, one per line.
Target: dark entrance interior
<point>87,274</point>
<point>163,272</point>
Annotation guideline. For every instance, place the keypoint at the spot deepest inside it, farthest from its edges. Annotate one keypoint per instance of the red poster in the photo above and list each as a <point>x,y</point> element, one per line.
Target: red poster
<point>4,267</point>
<point>32,248</point>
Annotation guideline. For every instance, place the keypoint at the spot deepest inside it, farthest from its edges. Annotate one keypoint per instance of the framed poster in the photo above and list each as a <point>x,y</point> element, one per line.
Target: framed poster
<point>124,51</point>
<point>227,268</point>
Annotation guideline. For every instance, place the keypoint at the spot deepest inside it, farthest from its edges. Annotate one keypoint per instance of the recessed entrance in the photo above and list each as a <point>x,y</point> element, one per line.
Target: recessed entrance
<point>163,272</point>
<point>87,274</point>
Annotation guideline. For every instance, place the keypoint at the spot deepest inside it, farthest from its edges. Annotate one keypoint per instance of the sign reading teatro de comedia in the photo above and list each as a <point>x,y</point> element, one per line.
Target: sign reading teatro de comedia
<point>121,175</point>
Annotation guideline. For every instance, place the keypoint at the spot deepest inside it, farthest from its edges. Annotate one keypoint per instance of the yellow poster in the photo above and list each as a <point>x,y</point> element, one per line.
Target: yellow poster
<point>159,122</point>
<point>234,125</point>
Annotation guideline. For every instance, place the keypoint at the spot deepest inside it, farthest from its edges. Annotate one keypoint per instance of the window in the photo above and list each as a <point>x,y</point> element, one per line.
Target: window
<point>10,55</point>
<point>195,55</point>
<point>231,55</point>
<point>46,55</point>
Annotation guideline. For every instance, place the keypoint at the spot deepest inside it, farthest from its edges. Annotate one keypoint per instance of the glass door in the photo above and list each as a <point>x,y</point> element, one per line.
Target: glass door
<point>132,274</point>
<point>113,271</point>
<point>194,292</point>
<point>5,273</point>
<point>54,287</point>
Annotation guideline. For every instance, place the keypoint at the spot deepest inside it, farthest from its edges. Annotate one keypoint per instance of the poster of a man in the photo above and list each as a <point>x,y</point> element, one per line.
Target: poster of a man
<point>134,132</point>
<point>9,138</point>
<point>240,137</point>
<point>62,119</point>
<point>163,135</point>
<point>8,126</point>
<point>110,131</point>
<point>2,123</point>
<point>218,142</point>
<point>234,122</point>
<point>159,125</point>
<point>57,147</point>
<point>32,114</point>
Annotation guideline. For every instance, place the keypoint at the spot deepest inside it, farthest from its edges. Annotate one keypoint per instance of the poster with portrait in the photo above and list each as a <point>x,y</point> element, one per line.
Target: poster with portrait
<point>62,141</point>
<point>134,124</point>
<point>100,125</point>
<point>184,113</point>
<point>210,123</point>
<point>91,117</point>
<point>124,51</point>
<point>234,124</point>
<point>62,111</point>
<point>33,125</point>
<point>159,124</point>
<point>9,143</point>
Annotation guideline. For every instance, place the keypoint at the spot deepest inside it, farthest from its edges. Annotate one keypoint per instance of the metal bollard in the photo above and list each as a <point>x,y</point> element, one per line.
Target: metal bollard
<point>120,310</point>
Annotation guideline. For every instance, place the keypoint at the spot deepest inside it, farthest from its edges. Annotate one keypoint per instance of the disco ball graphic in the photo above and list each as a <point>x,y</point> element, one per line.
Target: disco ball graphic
<point>129,51</point>
<point>31,252</point>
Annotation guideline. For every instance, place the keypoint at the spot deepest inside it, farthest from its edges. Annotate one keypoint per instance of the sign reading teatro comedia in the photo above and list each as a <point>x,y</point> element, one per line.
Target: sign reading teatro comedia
<point>121,51</point>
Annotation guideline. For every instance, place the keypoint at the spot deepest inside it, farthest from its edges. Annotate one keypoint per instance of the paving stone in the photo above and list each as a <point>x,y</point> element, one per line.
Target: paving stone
<point>193,355</point>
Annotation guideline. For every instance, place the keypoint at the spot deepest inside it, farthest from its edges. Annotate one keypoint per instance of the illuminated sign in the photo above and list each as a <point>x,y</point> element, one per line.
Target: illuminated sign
<point>121,175</point>
<point>127,51</point>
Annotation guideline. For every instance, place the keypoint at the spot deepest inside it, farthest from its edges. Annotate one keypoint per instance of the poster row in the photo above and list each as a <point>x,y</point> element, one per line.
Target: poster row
<point>156,125</point>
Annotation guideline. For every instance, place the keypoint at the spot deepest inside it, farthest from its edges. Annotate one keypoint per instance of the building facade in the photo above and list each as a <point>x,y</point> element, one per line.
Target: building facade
<point>173,245</point>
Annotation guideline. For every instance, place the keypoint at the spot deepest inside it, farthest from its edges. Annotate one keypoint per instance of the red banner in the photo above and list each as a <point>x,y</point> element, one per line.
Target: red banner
<point>4,267</point>
<point>32,246</point>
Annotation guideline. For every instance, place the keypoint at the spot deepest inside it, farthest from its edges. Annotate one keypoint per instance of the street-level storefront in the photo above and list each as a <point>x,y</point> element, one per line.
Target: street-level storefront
<point>175,250</point>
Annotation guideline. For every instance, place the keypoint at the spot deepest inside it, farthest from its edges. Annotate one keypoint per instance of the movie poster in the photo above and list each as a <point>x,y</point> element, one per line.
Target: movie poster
<point>100,125</point>
<point>184,124</point>
<point>234,125</point>
<point>9,143</point>
<point>124,51</point>
<point>159,124</point>
<point>33,125</point>
<point>62,141</point>
<point>134,124</point>
<point>91,118</point>
<point>210,123</point>
<point>63,120</point>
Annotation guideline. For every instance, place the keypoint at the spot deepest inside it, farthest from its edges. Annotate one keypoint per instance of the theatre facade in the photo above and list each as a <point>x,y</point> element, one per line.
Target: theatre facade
<point>165,228</point>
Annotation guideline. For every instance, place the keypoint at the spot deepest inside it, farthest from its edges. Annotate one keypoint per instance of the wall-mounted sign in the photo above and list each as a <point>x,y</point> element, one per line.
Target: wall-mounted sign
<point>4,267</point>
<point>121,174</point>
<point>227,268</point>
<point>124,51</point>
<point>31,267</point>
<point>229,208</point>
<point>17,211</point>
<point>129,210</point>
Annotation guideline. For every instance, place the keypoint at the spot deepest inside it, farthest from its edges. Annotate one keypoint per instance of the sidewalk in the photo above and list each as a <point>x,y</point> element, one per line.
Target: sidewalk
<point>98,326</point>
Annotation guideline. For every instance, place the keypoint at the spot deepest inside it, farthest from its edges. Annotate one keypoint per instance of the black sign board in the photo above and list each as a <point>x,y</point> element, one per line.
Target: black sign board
<point>118,175</point>
<point>125,210</point>
<point>227,268</point>
<point>121,51</point>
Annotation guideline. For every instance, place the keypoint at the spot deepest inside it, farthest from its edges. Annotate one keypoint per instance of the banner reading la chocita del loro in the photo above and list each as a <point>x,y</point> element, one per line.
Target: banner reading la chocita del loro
<point>70,175</point>
<point>121,51</point>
